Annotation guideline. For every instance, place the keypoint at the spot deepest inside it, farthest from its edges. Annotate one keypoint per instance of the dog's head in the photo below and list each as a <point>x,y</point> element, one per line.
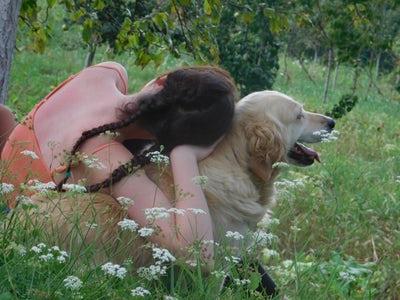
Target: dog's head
<point>275,127</point>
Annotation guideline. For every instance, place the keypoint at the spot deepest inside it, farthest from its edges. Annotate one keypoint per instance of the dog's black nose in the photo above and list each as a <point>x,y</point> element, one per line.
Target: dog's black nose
<point>331,123</point>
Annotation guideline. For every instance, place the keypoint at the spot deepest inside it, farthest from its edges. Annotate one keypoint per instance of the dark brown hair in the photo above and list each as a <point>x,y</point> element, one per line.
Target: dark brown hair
<point>195,106</point>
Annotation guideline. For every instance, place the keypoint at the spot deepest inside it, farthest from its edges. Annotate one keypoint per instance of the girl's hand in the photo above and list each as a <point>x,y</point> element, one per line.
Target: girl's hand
<point>199,152</point>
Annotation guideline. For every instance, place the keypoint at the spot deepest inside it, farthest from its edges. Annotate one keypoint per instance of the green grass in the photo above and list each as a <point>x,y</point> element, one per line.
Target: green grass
<point>343,218</point>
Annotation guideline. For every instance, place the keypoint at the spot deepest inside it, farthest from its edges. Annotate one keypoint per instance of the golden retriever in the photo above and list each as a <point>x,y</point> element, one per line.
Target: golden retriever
<point>268,127</point>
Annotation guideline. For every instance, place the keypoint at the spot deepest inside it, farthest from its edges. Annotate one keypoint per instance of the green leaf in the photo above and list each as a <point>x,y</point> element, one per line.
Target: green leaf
<point>51,3</point>
<point>99,4</point>
<point>207,7</point>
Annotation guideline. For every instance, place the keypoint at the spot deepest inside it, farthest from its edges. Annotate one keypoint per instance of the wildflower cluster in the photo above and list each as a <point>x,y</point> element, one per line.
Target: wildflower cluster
<point>128,224</point>
<point>232,259</point>
<point>196,211</point>
<point>200,180</point>
<point>145,231</point>
<point>125,202</point>
<point>140,292</point>
<point>92,162</point>
<point>280,164</point>
<point>157,158</point>
<point>41,187</point>
<point>74,188</point>
<point>161,256</point>
<point>327,136</point>
<point>50,254</point>
<point>285,183</point>
<point>6,188</point>
<point>114,270</point>
<point>73,283</point>
<point>154,213</point>
<point>267,221</point>
<point>30,154</point>
<point>110,134</point>
<point>262,238</point>
<point>24,200</point>
<point>234,235</point>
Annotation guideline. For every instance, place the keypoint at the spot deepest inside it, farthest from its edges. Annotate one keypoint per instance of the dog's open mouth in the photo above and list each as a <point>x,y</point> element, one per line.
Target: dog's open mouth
<point>303,155</point>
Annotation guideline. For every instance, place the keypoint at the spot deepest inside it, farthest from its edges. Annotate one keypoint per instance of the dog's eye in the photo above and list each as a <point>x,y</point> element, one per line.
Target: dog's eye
<point>300,116</point>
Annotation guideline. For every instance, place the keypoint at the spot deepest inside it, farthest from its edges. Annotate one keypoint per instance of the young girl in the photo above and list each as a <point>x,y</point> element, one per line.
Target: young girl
<point>187,111</point>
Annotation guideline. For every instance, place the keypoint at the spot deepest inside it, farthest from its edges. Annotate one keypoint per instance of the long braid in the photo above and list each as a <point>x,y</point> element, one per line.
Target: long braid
<point>130,167</point>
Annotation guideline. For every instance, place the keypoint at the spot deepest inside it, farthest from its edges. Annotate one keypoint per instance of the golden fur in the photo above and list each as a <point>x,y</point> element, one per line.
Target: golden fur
<point>240,171</point>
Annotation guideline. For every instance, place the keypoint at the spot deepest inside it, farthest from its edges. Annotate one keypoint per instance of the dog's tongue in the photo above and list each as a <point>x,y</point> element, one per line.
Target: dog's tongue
<point>309,152</point>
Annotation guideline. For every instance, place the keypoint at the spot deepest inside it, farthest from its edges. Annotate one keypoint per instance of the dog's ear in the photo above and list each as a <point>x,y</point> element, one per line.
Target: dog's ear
<point>266,147</point>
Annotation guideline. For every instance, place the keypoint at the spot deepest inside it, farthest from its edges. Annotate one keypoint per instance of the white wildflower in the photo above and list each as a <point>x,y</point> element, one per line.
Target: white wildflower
<point>73,283</point>
<point>125,202</point>
<point>41,245</point>
<point>280,164</point>
<point>241,281</point>
<point>41,187</point>
<point>262,238</point>
<point>208,242</point>
<point>91,225</point>
<point>92,162</point>
<point>200,180</point>
<point>289,183</point>
<point>20,249</point>
<point>191,262</point>
<point>167,297</point>
<point>295,228</point>
<point>30,154</point>
<point>287,263</point>
<point>128,224</point>
<point>162,255</point>
<point>114,270</point>
<point>64,253</point>
<point>36,249</point>
<point>145,231</point>
<point>140,292</point>
<point>197,211</point>
<point>267,222</point>
<point>110,134</point>
<point>233,259</point>
<point>24,200</point>
<point>156,213</point>
<point>46,257</point>
<point>152,272</point>
<point>234,234</point>
<point>6,188</point>
<point>55,248</point>
<point>61,259</point>
<point>177,211</point>
<point>158,158</point>
<point>398,179</point>
<point>218,274</point>
<point>327,136</point>
<point>74,188</point>
<point>269,253</point>
<point>347,276</point>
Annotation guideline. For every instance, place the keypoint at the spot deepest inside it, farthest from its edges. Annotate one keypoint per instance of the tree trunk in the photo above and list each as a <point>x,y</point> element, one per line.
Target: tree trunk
<point>336,75</point>
<point>90,56</point>
<point>378,63</point>
<point>328,76</point>
<point>9,11</point>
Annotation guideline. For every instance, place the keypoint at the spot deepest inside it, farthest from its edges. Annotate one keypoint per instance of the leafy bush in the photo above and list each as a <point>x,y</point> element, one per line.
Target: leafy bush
<point>345,105</point>
<point>247,47</point>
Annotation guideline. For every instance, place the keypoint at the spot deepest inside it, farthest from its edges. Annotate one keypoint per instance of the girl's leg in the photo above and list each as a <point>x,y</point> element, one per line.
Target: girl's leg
<point>7,124</point>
